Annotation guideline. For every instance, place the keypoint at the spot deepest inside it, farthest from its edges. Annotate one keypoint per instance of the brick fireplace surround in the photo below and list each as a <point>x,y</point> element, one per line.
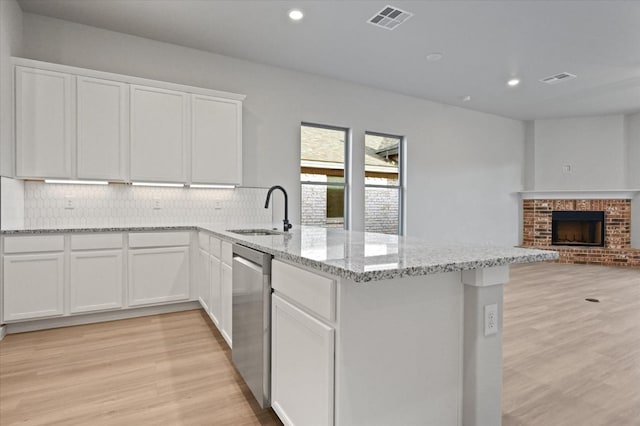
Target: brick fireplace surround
<point>617,245</point>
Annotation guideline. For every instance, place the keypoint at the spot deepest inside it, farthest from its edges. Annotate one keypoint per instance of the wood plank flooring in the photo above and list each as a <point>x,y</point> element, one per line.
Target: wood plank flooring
<point>566,362</point>
<point>172,369</point>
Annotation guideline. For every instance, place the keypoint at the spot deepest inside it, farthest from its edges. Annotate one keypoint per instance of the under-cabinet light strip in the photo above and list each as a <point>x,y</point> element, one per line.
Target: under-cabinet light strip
<point>77,182</point>
<point>172,185</point>
<point>198,185</point>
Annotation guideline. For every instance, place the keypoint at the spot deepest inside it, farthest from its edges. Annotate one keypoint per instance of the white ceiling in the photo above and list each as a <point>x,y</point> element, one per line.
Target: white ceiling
<point>484,44</point>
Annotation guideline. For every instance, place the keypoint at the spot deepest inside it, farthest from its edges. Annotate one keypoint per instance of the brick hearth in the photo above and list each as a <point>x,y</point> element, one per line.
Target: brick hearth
<point>617,245</point>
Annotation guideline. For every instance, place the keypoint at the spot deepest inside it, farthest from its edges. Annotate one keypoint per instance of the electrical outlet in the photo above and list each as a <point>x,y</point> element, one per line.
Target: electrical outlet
<point>157,205</point>
<point>567,169</point>
<point>68,203</point>
<point>218,205</point>
<point>490,319</point>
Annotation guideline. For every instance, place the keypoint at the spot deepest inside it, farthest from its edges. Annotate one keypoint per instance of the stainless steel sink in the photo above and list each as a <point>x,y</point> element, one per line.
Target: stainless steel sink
<point>254,232</point>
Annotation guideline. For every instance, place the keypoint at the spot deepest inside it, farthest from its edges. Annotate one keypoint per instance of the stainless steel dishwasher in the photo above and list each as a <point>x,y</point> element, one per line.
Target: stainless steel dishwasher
<point>251,332</point>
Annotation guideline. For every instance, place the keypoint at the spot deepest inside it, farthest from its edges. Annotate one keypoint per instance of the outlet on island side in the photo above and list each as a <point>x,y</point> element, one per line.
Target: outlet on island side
<point>490,319</point>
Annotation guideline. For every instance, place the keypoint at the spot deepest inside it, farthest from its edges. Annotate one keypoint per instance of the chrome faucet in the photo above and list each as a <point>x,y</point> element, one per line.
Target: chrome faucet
<point>287,225</point>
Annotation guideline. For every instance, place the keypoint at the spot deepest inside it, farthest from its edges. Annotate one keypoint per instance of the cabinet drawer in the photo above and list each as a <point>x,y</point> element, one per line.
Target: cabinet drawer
<point>227,253</point>
<point>158,239</point>
<point>215,247</point>
<point>203,241</point>
<point>315,292</point>
<point>34,243</point>
<point>96,241</point>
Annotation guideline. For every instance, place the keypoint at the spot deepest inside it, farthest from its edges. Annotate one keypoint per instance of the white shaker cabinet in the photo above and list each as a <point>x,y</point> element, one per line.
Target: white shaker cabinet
<point>216,140</point>
<point>215,308</point>
<point>96,270</point>
<point>204,279</point>
<point>226,303</point>
<point>103,128</point>
<point>158,267</point>
<point>33,285</point>
<point>226,289</point>
<point>45,123</point>
<point>159,134</point>
<point>302,366</point>
<point>95,280</point>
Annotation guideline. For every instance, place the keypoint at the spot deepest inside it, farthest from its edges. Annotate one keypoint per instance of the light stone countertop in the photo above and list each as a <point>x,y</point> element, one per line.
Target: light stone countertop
<point>359,256</point>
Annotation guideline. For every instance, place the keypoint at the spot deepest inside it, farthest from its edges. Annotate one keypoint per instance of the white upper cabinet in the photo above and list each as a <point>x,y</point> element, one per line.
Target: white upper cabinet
<point>216,140</point>
<point>103,128</point>
<point>45,123</point>
<point>74,123</point>
<point>159,132</point>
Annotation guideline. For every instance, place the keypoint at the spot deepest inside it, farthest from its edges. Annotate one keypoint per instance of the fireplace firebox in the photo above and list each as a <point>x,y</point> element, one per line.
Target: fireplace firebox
<point>577,228</point>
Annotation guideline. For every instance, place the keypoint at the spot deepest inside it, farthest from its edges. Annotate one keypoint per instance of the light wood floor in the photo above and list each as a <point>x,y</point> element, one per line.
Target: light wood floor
<point>566,362</point>
<point>172,369</point>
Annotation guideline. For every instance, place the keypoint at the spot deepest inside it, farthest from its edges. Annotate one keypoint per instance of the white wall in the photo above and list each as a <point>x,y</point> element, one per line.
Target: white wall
<point>633,167</point>
<point>594,147</point>
<point>10,45</point>
<point>11,203</point>
<point>464,167</point>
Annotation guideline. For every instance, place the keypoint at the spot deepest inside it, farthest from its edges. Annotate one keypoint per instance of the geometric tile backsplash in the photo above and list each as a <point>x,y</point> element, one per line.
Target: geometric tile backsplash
<point>47,205</point>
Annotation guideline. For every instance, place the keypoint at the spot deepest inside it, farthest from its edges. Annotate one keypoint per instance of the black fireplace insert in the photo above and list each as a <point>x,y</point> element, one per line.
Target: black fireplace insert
<point>577,228</point>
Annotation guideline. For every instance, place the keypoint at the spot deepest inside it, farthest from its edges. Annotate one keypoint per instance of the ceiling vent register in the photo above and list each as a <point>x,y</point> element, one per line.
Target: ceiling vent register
<point>558,78</point>
<point>390,18</point>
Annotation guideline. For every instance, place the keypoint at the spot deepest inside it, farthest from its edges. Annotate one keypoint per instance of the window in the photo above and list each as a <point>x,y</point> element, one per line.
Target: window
<point>383,183</point>
<point>322,175</point>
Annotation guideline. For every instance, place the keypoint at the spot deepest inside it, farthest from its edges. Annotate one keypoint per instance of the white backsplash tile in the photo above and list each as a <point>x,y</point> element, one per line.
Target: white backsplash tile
<point>124,205</point>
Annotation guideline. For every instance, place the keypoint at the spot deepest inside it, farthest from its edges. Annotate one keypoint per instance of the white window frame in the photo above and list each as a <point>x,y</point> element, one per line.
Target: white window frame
<point>347,164</point>
<point>401,186</point>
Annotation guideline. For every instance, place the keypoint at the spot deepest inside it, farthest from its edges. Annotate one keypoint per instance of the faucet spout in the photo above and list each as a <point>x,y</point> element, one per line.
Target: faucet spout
<point>287,225</point>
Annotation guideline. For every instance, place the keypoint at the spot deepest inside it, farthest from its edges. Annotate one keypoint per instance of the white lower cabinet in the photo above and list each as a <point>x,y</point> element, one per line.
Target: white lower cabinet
<point>95,280</point>
<point>33,286</point>
<point>226,303</point>
<point>215,308</point>
<point>302,366</point>
<point>158,275</point>
<point>204,279</point>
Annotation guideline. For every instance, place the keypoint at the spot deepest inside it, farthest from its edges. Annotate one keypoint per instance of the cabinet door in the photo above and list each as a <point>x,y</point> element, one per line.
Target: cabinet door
<point>33,286</point>
<point>96,280</point>
<point>216,141</point>
<point>158,135</point>
<point>215,309</point>
<point>226,302</point>
<point>204,279</point>
<point>102,122</point>
<point>45,128</point>
<point>158,275</point>
<point>302,366</point>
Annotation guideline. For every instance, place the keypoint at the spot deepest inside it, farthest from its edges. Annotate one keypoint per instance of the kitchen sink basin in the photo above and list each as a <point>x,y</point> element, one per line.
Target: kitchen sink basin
<point>254,232</point>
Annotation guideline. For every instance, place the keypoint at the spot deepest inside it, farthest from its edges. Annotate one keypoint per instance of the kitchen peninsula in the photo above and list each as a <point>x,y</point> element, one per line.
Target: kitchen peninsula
<point>367,328</point>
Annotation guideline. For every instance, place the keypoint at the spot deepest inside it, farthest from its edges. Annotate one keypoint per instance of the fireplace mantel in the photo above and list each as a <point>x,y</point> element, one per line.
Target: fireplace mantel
<point>598,194</point>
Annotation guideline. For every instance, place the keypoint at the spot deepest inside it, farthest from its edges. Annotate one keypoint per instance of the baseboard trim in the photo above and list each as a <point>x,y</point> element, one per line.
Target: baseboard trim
<point>44,324</point>
<point>3,331</point>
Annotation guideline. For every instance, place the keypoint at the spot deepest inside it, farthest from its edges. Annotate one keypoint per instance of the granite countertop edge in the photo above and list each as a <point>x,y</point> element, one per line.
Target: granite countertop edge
<point>357,276</point>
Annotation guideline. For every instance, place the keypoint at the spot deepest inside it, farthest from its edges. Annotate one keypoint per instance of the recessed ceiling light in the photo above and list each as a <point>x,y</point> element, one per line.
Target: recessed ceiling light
<point>465,98</point>
<point>295,14</point>
<point>513,82</point>
<point>435,56</point>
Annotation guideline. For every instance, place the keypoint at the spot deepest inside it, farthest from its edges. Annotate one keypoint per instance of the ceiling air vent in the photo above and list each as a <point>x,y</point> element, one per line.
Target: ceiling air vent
<point>558,78</point>
<point>389,18</point>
